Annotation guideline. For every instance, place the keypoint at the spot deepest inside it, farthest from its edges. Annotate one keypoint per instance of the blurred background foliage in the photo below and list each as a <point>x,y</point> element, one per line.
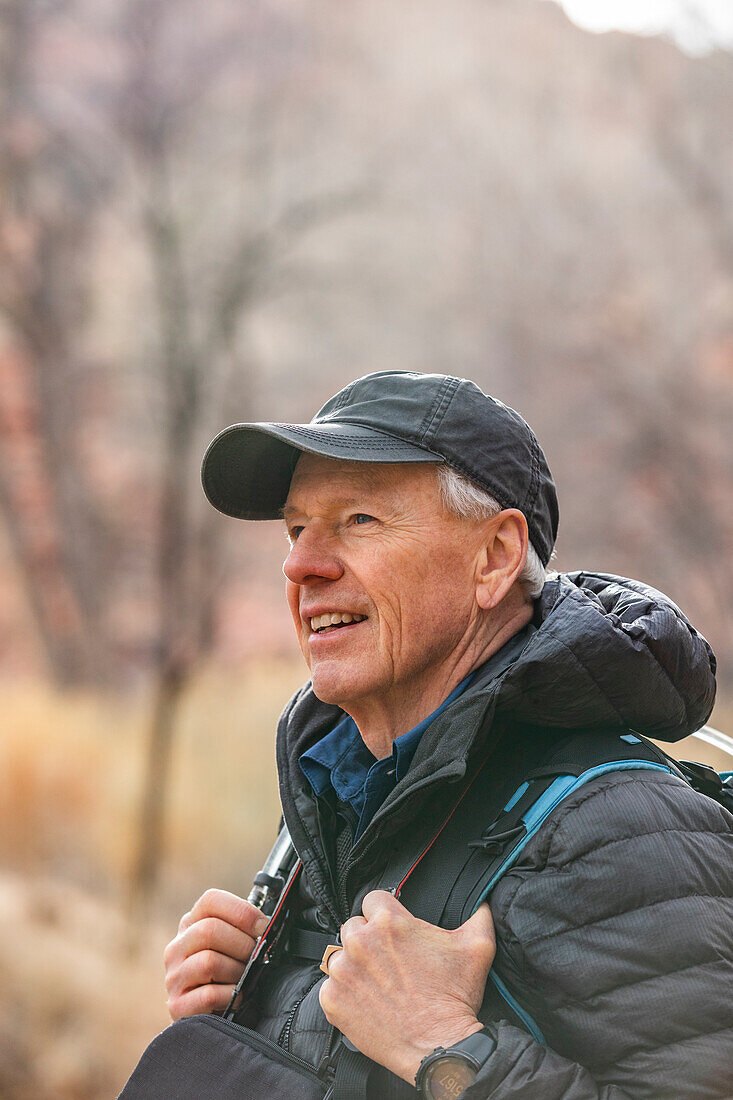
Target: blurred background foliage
<point>213,211</point>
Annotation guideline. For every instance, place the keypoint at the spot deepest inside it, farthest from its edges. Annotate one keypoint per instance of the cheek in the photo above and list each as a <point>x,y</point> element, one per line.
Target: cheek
<point>435,627</point>
<point>292,593</point>
<point>443,604</point>
<point>415,616</point>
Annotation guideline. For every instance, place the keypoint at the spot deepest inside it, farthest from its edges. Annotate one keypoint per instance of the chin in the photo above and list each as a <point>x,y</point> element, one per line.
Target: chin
<point>337,690</point>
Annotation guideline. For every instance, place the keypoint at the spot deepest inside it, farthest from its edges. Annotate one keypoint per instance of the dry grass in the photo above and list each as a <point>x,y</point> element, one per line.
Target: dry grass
<point>71,774</point>
<point>76,1007</point>
<point>77,1003</point>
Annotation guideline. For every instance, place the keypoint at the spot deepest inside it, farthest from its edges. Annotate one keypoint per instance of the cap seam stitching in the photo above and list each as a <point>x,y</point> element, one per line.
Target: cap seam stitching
<point>500,499</point>
<point>533,471</point>
<point>533,488</point>
<point>386,443</point>
<point>390,439</point>
<point>345,394</point>
<point>438,410</point>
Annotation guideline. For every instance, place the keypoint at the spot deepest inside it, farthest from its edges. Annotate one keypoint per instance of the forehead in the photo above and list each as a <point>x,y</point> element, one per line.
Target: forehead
<point>320,480</point>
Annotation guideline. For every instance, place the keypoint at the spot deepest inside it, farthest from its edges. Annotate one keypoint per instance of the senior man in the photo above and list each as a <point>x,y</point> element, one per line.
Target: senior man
<point>421,516</point>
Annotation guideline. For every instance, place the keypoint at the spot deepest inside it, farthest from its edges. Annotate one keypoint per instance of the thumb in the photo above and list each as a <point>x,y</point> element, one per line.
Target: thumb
<point>480,925</point>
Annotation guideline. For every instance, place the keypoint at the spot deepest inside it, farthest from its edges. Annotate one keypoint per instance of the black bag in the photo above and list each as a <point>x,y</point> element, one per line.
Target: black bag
<point>207,1057</point>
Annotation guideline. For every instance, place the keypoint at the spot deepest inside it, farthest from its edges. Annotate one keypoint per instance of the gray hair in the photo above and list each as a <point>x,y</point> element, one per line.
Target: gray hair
<point>462,497</point>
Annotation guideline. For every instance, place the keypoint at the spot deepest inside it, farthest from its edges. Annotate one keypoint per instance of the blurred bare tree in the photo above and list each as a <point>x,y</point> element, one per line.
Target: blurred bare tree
<point>206,268</point>
<point>52,184</point>
<point>185,242</point>
<point>200,301</point>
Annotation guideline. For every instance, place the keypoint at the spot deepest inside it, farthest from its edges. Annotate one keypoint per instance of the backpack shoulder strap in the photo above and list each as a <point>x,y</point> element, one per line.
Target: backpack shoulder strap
<point>482,841</point>
<point>472,854</point>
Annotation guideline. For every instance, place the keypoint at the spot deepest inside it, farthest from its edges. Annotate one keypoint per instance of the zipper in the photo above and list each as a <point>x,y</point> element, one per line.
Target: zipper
<point>284,1037</point>
<point>267,1046</point>
<point>395,890</point>
<point>334,896</point>
<point>342,870</point>
<point>371,841</point>
<point>447,773</point>
<point>365,843</point>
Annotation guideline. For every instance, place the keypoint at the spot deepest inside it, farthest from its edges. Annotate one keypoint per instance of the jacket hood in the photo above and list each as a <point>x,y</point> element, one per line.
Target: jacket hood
<point>611,652</point>
<point>603,652</point>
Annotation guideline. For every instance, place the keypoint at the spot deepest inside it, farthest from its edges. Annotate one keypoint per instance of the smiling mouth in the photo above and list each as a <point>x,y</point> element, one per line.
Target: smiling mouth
<point>336,620</point>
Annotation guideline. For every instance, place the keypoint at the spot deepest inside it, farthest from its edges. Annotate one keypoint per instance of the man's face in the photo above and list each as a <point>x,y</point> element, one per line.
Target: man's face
<point>373,541</point>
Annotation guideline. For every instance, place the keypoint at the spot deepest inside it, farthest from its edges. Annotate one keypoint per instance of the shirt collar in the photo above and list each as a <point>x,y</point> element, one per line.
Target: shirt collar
<point>342,761</point>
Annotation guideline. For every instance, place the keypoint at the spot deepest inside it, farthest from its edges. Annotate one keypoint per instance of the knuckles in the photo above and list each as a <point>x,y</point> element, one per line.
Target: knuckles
<point>327,999</point>
<point>386,924</point>
<point>201,935</point>
<point>208,899</point>
<point>207,966</point>
<point>210,998</point>
<point>172,981</point>
<point>355,936</point>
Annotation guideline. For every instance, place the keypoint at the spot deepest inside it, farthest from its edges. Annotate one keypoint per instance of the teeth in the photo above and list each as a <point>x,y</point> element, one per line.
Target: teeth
<point>333,618</point>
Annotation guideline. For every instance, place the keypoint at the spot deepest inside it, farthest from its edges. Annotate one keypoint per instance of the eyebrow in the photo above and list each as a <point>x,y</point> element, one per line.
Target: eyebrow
<point>289,510</point>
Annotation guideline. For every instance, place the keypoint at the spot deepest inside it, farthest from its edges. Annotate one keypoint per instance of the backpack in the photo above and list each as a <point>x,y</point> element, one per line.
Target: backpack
<point>444,883</point>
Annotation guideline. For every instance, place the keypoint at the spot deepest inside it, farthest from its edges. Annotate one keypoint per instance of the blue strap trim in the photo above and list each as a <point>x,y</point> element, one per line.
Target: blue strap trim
<point>563,786</point>
<point>726,775</point>
<point>516,796</point>
<point>533,819</point>
<point>526,1019</point>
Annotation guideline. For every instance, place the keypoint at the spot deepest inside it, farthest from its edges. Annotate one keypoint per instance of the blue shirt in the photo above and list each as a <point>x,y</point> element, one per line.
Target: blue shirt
<point>341,762</point>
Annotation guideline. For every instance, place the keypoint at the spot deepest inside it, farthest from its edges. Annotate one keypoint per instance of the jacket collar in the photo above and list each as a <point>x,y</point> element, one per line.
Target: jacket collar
<point>604,653</point>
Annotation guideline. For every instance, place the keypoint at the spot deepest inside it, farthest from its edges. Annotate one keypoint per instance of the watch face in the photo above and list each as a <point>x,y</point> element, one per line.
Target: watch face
<point>448,1076</point>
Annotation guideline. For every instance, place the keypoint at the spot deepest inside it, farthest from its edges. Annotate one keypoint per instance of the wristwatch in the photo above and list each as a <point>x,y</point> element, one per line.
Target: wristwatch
<point>444,1074</point>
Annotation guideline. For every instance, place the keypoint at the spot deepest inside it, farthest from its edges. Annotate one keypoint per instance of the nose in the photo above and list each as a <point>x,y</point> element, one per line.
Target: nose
<point>312,558</point>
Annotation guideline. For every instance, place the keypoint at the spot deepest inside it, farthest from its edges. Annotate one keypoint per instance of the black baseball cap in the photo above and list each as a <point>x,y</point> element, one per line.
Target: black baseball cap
<point>391,416</point>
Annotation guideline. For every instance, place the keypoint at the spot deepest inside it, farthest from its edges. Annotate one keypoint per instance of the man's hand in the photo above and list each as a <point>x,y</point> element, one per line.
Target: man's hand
<point>206,959</point>
<point>402,987</point>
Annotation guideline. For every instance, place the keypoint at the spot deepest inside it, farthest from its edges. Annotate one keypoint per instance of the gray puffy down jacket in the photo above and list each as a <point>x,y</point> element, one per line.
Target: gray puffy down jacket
<point>615,928</point>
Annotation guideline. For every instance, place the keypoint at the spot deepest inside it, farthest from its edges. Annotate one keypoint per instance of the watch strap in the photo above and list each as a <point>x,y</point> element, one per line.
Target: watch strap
<point>475,1050</point>
<point>481,1045</point>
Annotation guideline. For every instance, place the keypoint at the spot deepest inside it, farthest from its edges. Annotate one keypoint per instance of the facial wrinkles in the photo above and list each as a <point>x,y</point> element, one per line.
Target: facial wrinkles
<point>447,622</point>
<point>411,573</point>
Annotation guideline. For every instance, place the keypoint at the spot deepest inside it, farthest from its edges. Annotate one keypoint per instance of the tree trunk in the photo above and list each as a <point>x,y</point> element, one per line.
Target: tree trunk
<point>150,833</point>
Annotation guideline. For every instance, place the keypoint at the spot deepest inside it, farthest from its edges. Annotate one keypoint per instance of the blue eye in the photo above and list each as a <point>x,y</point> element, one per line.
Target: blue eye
<point>362,517</point>
<point>293,533</point>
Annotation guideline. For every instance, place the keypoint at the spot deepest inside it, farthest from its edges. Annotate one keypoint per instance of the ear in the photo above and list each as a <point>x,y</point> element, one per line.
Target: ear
<point>502,557</point>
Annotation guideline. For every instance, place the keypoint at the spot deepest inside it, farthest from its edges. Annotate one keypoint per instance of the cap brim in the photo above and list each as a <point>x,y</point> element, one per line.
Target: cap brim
<point>247,468</point>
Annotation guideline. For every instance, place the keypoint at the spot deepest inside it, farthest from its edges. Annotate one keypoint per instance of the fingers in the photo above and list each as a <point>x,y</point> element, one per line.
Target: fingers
<point>378,902</point>
<point>205,999</point>
<point>229,908</point>
<point>352,925</point>
<point>206,959</point>
<point>203,968</point>
<point>203,980</point>
<point>212,933</point>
